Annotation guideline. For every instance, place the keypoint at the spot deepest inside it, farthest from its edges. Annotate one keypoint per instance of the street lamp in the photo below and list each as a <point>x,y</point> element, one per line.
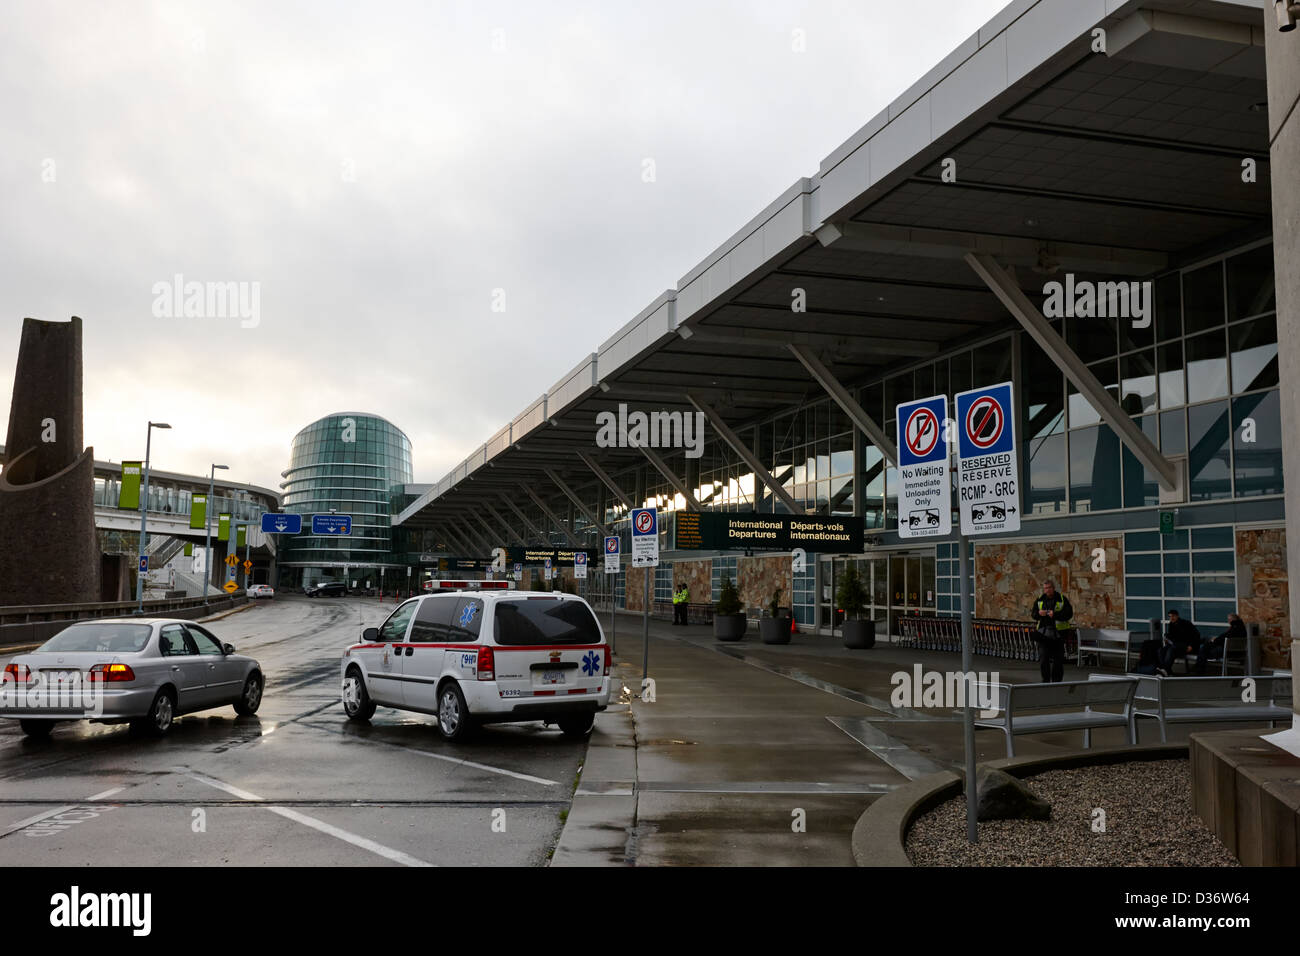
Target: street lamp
<point>207,520</point>
<point>144,515</point>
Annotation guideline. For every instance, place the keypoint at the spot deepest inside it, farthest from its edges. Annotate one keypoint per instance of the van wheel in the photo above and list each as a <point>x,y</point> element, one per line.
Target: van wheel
<point>454,720</point>
<point>578,727</point>
<point>356,699</point>
<point>159,720</point>
<point>36,728</point>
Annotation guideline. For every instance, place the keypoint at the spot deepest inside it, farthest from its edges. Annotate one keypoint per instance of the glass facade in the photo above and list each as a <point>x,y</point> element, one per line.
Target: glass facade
<point>353,464</point>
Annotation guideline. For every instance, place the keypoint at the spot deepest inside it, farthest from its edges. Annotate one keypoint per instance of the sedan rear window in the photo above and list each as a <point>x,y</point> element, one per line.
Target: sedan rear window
<point>526,622</point>
<point>99,638</point>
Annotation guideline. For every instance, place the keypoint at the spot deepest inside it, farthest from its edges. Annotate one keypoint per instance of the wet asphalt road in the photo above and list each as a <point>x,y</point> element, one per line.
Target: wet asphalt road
<point>296,785</point>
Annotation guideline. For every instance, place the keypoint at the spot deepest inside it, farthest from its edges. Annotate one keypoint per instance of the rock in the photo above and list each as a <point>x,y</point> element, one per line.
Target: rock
<point>1000,796</point>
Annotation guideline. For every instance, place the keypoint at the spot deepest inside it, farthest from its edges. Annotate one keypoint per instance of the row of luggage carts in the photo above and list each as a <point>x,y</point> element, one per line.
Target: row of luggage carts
<point>1008,639</point>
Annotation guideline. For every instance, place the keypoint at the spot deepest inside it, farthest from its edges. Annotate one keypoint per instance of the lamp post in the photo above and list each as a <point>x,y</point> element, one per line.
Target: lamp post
<point>144,515</point>
<point>207,521</point>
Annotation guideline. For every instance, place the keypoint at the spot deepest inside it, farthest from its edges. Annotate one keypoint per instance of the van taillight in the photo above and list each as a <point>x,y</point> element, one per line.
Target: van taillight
<point>486,664</point>
<point>608,659</point>
<point>18,673</point>
<point>111,673</point>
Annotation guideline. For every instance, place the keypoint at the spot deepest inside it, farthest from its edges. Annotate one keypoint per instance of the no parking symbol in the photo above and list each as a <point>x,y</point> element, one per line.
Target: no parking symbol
<point>988,480</point>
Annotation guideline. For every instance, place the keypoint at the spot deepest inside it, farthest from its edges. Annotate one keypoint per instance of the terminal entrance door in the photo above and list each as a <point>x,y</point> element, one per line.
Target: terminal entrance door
<point>896,585</point>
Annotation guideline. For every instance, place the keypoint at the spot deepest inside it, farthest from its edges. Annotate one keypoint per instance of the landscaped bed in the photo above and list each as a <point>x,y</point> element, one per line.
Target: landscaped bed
<point>1148,822</point>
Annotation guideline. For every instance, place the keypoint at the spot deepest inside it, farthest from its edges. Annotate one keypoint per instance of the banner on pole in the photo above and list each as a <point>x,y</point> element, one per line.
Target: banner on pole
<point>129,495</point>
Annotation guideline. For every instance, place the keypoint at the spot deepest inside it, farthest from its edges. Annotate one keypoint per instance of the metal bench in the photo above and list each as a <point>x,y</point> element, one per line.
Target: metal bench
<point>1013,700</point>
<point>1108,642</point>
<point>1179,700</point>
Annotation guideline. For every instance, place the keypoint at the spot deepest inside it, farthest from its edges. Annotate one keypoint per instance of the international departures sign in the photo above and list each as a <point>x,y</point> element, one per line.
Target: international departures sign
<point>723,531</point>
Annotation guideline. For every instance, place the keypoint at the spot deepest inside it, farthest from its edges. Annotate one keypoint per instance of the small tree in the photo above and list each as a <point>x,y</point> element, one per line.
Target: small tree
<point>728,599</point>
<point>851,595</point>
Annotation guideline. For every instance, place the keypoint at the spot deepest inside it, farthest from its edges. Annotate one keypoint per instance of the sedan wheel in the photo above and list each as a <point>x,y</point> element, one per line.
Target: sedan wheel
<point>159,719</point>
<point>251,696</point>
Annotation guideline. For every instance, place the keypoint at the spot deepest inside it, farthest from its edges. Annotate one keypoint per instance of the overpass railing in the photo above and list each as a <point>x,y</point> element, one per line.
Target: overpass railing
<point>1009,639</point>
<point>36,623</point>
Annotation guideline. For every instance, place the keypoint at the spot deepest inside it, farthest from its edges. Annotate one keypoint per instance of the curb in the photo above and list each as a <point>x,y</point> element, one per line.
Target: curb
<point>880,835</point>
<point>226,613</point>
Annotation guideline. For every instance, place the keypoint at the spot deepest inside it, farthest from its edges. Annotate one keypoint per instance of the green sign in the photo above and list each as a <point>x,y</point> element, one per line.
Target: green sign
<point>198,511</point>
<point>1166,522</point>
<point>189,549</point>
<point>223,527</point>
<point>129,496</point>
<point>241,536</point>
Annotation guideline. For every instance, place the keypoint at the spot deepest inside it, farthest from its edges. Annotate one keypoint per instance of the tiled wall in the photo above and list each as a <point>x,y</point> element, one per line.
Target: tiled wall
<point>1009,576</point>
<point>1263,597</point>
<point>697,576</point>
<point>759,577</point>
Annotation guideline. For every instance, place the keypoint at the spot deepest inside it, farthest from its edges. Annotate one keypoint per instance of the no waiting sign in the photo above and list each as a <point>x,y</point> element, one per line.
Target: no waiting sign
<point>988,481</point>
<point>924,502</point>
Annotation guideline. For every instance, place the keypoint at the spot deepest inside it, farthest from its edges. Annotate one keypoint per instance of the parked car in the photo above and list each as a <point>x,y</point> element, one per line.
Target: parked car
<point>481,652</point>
<point>261,591</point>
<point>139,670</point>
<point>329,589</point>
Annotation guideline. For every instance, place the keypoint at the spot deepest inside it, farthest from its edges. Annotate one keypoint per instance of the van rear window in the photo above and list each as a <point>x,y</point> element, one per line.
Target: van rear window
<point>524,622</point>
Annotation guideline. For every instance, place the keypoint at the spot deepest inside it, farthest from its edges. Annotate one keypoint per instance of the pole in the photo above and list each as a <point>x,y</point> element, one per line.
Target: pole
<point>613,604</point>
<point>968,713</point>
<point>645,629</point>
<point>144,515</point>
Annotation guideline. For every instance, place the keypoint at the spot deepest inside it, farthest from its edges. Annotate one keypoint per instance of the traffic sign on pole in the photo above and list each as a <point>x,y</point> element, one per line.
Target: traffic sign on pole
<point>645,538</point>
<point>988,480</point>
<point>519,571</point>
<point>580,564</point>
<point>612,556</point>
<point>230,587</point>
<point>144,564</point>
<point>231,560</point>
<point>924,502</point>
<point>248,566</point>
<point>273,523</point>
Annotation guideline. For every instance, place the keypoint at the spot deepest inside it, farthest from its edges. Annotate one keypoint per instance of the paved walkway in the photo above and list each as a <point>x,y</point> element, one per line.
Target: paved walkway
<point>752,754</point>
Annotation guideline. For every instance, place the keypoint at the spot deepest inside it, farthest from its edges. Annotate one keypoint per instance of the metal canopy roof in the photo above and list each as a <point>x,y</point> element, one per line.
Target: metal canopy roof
<point>1108,165</point>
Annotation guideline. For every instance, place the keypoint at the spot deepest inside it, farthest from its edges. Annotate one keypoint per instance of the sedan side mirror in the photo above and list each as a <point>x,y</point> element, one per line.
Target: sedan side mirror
<point>370,634</point>
<point>228,648</point>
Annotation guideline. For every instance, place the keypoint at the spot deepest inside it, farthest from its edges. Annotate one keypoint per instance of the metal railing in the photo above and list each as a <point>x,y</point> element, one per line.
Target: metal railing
<point>1009,639</point>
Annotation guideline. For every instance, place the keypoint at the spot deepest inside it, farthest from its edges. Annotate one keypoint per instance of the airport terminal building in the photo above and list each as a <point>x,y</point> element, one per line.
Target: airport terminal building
<point>1079,200</point>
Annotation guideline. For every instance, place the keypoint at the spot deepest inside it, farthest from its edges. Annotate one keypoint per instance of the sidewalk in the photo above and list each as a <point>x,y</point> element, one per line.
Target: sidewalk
<point>744,742</point>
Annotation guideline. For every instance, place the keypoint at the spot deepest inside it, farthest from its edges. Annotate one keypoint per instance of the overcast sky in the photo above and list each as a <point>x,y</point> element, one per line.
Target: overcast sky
<point>379,169</point>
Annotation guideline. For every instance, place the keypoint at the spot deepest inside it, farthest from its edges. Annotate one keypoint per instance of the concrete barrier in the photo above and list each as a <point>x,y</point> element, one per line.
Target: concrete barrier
<point>35,624</point>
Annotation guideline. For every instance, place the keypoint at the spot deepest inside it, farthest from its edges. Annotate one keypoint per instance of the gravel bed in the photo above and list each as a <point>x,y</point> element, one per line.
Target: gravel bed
<point>1149,822</point>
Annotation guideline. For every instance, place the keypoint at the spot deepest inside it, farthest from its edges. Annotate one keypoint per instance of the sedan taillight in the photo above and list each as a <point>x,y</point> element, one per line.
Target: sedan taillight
<point>18,673</point>
<point>486,664</point>
<point>111,673</point>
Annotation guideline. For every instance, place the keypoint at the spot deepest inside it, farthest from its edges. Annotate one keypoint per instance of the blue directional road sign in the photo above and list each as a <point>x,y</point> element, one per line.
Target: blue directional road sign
<point>331,524</point>
<point>281,523</point>
<point>924,503</point>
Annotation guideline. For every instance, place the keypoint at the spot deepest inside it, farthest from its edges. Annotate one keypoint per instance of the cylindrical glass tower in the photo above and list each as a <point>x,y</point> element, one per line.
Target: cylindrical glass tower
<point>353,464</point>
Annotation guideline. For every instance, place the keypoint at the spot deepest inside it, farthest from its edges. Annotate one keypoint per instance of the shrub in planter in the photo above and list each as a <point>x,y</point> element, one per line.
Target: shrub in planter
<point>775,628</point>
<point>851,597</point>
<point>729,622</point>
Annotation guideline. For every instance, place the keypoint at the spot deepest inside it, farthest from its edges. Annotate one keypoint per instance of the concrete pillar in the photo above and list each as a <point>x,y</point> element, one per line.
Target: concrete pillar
<point>1283,54</point>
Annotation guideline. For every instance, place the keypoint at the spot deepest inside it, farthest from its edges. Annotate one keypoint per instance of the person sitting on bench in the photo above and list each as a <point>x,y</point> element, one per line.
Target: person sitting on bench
<point>1181,638</point>
<point>1215,647</point>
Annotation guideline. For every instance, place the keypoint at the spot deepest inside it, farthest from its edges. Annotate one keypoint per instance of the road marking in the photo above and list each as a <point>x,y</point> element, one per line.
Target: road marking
<point>106,794</point>
<point>23,824</point>
<point>480,766</point>
<point>397,856</point>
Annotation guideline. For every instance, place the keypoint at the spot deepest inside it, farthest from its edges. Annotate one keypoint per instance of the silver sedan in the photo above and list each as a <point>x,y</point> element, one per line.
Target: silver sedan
<point>145,671</point>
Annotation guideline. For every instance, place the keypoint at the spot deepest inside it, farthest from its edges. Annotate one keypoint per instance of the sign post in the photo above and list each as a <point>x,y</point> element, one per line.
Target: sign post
<point>924,503</point>
<point>612,567</point>
<point>645,555</point>
<point>988,492</point>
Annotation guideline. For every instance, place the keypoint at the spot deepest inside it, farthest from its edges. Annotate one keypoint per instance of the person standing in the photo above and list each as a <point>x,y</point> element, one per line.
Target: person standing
<point>1051,613</point>
<point>681,604</point>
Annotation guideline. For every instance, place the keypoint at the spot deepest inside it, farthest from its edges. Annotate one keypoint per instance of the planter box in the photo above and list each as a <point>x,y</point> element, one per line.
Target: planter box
<point>859,635</point>
<point>729,627</point>
<point>775,630</point>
